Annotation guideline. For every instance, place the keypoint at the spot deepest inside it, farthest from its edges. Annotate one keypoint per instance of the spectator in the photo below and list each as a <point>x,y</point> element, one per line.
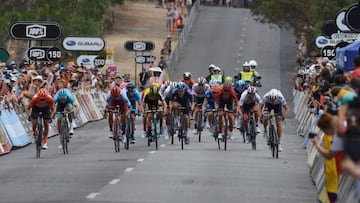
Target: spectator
<point>356,72</point>
<point>163,63</point>
<point>168,19</point>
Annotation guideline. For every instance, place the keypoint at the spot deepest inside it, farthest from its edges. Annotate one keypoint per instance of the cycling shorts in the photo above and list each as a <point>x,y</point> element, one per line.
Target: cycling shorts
<point>229,104</point>
<point>36,110</point>
<point>276,107</point>
<point>247,107</point>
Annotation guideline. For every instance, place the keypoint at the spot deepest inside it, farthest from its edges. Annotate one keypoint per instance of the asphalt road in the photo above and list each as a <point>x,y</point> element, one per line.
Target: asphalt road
<point>93,172</point>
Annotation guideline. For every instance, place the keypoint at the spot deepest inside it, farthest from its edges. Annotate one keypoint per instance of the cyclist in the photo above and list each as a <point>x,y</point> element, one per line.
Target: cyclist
<point>182,97</point>
<point>239,87</point>
<point>152,99</point>
<point>187,79</point>
<point>115,98</point>
<point>211,72</point>
<point>135,98</point>
<point>250,99</point>
<point>274,100</point>
<point>209,104</point>
<point>167,96</point>
<point>198,93</point>
<point>42,102</point>
<point>216,77</point>
<point>63,99</point>
<point>226,98</point>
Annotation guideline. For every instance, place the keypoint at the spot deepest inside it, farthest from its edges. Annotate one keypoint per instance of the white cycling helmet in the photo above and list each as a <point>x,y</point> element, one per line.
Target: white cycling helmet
<point>251,90</point>
<point>245,64</point>
<point>273,94</point>
<point>253,63</point>
<point>212,66</point>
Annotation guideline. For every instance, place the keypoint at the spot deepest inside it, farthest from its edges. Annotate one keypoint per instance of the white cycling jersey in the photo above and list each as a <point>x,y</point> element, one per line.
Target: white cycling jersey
<point>168,91</point>
<point>198,90</point>
<point>280,99</point>
<point>246,99</point>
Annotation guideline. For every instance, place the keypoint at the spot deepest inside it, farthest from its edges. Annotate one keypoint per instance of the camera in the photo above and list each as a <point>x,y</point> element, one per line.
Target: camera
<point>312,135</point>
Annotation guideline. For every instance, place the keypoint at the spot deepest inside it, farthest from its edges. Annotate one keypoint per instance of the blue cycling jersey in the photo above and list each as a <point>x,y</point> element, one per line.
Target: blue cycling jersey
<point>210,100</point>
<point>136,97</point>
<point>70,99</point>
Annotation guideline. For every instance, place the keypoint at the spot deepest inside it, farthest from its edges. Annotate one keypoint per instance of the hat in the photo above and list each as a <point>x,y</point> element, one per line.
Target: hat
<point>169,36</point>
<point>12,63</point>
<point>38,77</point>
<point>80,70</point>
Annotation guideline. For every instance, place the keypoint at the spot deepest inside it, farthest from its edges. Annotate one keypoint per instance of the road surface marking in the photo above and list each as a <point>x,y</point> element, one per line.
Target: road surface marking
<point>92,195</point>
<point>140,160</point>
<point>114,181</point>
<point>152,152</point>
<point>163,145</point>
<point>129,169</point>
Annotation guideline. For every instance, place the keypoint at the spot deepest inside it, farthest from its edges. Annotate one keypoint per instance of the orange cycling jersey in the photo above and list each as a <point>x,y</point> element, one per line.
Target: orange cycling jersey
<point>41,103</point>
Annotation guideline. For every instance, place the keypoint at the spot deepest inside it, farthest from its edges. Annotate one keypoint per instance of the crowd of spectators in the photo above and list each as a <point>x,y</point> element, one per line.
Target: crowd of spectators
<point>334,96</point>
<point>19,82</point>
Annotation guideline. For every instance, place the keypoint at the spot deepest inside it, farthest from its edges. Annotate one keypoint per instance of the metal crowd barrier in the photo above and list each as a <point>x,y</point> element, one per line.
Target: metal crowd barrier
<point>307,123</point>
<point>15,129</point>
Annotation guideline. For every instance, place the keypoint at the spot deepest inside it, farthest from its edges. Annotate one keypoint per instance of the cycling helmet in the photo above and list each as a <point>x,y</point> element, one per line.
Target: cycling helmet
<point>187,75</point>
<point>228,80</point>
<point>240,83</point>
<point>253,63</point>
<point>43,93</point>
<point>273,94</point>
<point>227,87</point>
<point>212,66</point>
<point>251,90</point>
<point>245,64</point>
<point>157,69</point>
<point>154,89</point>
<point>202,81</point>
<point>115,91</point>
<point>180,86</point>
<point>130,85</point>
<point>62,94</point>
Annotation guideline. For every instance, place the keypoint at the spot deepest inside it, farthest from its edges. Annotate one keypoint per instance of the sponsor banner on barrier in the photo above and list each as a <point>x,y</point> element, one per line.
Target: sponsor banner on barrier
<point>5,145</point>
<point>95,115</point>
<point>14,128</point>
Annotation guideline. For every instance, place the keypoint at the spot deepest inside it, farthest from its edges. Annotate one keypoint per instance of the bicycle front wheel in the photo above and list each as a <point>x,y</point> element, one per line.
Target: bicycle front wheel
<point>39,137</point>
<point>65,135</point>
<point>199,124</point>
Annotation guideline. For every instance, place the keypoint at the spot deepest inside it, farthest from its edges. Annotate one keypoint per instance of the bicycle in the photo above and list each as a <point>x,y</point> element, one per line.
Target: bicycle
<point>174,124</point>
<point>226,129</point>
<point>155,128</point>
<point>182,128</point>
<point>116,128</point>
<point>65,131</point>
<point>273,139</point>
<point>39,134</point>
<point>252,129</point>
<point>199,123</point>
<point>213,123</point>
<point>242,128</point>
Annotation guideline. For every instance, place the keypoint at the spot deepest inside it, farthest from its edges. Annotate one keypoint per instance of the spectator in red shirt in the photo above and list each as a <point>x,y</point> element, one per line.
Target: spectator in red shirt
<point>356,72</point>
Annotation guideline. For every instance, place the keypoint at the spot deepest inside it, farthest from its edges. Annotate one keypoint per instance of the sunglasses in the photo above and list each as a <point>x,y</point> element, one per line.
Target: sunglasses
<point>42,99</point>
<point>187,79</point>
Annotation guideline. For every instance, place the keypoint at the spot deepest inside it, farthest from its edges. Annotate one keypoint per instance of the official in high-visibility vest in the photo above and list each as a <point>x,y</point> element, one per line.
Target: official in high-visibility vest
<point>246,74</point>
<point>216,77</point>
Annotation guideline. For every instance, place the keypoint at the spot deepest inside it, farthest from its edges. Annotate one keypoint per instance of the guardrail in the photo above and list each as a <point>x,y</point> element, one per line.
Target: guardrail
<point>15,129</point>
<point>176,53</point>
<point>307,123</point>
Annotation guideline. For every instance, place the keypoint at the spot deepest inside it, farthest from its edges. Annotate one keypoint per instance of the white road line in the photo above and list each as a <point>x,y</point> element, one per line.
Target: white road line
<point>140,160</point>
<point>152,152</point>
<point>163,145</point>
<point>242,35</point>
<point>244,29</point>
<point>245,23</point>
<point>92,195</point>
<point>241,48</point>
<point>129,169</point>
<point>238,61</point>
<point>237,68</point>
<point>114,181</point>
<point>239,55</point>
<point>242,41</point>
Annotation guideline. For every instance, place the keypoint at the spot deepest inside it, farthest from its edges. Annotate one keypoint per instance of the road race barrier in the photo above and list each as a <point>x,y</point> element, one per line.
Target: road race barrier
<point>308,118</point>
<point>16,130</point>
<point>176,53</point>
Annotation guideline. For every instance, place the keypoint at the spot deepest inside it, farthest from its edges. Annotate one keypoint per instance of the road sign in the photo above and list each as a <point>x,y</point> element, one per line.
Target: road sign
<point>83,43</point>
<point>145,59</point>
<point>352,17</point>
<point>53,54</point>
<point>38,53</point>
<point>4,55</point>
<point>86,60</point>
<point>329,27</point>
<point>35,30</point>
<point>99,62</point>
<point>328,51</point>
<point>139,45</point>
<point>340,21</point>
<point>322,41</point>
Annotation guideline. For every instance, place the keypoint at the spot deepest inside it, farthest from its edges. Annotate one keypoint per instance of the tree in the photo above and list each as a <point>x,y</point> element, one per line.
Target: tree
<point>306,16</point>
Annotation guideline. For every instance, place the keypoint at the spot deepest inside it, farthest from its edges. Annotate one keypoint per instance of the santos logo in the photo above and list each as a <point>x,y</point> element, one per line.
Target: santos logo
<point>83,43</point>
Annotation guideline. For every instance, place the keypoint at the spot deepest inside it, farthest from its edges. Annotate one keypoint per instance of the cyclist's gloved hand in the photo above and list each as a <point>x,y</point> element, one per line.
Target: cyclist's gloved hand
<point>29,118</point>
